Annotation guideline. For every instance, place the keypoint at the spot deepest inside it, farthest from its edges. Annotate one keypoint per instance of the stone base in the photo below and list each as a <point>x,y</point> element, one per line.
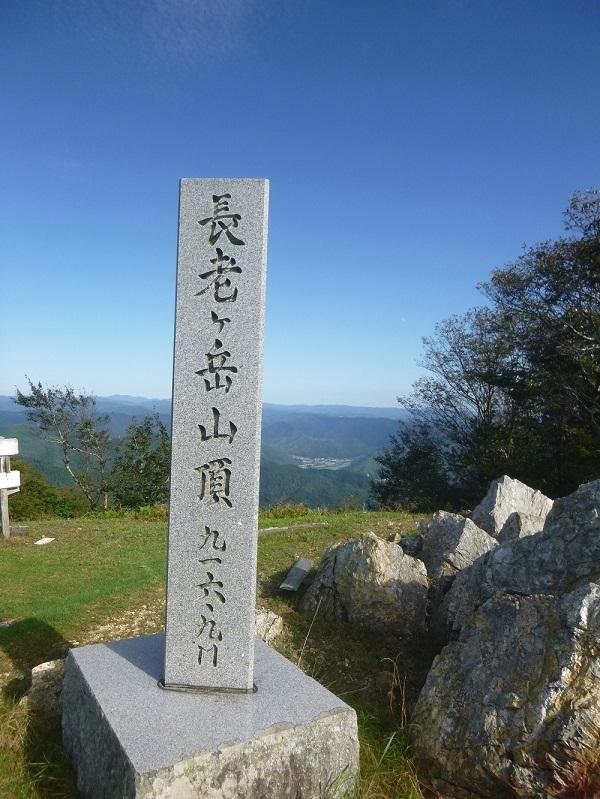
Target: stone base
<point>127,737</point>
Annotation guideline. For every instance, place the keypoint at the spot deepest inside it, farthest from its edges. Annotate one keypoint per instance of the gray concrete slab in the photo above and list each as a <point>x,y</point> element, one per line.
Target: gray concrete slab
<point>129,738</point>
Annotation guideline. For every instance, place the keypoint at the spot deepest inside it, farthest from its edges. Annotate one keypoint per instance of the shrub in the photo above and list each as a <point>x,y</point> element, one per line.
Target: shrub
<point>283,510</point>
<point>38,499</point>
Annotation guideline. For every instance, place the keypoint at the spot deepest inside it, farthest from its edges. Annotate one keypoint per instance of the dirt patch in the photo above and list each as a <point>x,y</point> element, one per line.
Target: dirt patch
<point>144,620</point>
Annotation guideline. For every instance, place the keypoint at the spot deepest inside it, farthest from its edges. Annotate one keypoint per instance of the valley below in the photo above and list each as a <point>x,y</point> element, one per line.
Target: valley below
<point>321,456</point>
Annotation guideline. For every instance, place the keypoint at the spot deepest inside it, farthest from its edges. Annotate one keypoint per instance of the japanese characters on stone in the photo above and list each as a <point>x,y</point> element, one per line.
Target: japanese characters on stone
<point>217,374</point>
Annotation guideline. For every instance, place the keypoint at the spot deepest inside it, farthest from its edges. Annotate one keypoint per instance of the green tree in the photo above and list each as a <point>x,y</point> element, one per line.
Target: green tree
<point>549,300</point>
<point>412,473</point>
<point>70,419</point>
<point>513,387</point>
<point>140,474</point>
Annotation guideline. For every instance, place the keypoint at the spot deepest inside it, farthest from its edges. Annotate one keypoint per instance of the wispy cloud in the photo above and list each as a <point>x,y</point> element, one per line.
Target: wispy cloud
<point>186,29</point>
<point>168,32</point>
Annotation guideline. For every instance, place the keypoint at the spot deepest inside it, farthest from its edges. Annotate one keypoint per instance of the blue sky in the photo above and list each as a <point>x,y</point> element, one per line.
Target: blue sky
<point>411,147</point>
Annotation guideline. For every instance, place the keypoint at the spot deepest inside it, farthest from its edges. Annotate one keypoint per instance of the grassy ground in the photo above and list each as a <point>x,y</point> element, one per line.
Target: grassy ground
<point>103,578</point>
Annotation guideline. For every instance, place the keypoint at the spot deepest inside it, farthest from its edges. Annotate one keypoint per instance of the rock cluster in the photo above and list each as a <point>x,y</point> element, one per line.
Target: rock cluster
<point>511,708</point>
<point>511,705</point>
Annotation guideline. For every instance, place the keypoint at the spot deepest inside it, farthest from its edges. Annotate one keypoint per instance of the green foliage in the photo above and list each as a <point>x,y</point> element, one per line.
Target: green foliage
<point>349,505</point>
<point>71,422</point>
<point>140,474</point>
<point>158,512</point>
<point>412,474</point>
<point>284,511</point>
<point>513,387</point>
<point>39,452</point>
<point>37,499</point>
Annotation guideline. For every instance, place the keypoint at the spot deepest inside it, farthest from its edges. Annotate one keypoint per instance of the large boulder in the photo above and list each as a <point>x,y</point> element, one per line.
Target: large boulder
<point>565,553</point>
<point>512,707</point>
<point>371,583</point>
<point>451,543</point>
<point>505,497</point>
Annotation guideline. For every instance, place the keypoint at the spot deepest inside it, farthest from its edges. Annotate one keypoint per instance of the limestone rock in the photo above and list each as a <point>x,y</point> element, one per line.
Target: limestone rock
<point>565,553</point>
<point>372,584</point>
<point>505,496</point>
<point>512,708</point>
<point>45,692</point>
<point>267,624</point>
<point>451,543</point>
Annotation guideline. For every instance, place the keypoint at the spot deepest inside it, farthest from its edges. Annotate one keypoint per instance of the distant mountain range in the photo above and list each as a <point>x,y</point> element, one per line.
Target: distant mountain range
<point>317,454</point>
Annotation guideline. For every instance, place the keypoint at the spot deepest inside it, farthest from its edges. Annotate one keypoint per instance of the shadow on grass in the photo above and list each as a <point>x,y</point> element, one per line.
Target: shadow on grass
<point>27,643</point>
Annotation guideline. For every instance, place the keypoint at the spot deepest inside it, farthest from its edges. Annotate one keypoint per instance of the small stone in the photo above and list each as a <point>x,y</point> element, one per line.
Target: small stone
<point>267,624</point>
<point>296,575</point>
<point>45,692</point>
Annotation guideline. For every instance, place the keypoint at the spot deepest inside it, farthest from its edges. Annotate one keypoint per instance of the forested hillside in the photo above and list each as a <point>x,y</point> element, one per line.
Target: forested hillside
<point>321,455</point>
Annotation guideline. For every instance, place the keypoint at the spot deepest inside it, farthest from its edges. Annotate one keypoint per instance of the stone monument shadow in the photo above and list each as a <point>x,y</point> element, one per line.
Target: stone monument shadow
<point>143,653</point>
<point>27,643</point>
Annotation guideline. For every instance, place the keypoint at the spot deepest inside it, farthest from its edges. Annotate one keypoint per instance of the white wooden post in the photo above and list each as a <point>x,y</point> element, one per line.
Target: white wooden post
<point>10,480</point>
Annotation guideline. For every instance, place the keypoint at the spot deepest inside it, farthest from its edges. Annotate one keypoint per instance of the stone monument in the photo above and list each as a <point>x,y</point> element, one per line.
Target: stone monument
<point>216,434</point>
<point>208,710</point>
<point>10,480</point>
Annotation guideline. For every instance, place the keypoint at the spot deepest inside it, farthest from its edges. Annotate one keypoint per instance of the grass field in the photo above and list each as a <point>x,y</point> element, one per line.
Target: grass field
<point>103,578</point>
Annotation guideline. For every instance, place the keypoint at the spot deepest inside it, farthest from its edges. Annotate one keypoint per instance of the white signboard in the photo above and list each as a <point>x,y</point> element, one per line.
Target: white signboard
<point>9,446</point>
<point>10,479</point>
